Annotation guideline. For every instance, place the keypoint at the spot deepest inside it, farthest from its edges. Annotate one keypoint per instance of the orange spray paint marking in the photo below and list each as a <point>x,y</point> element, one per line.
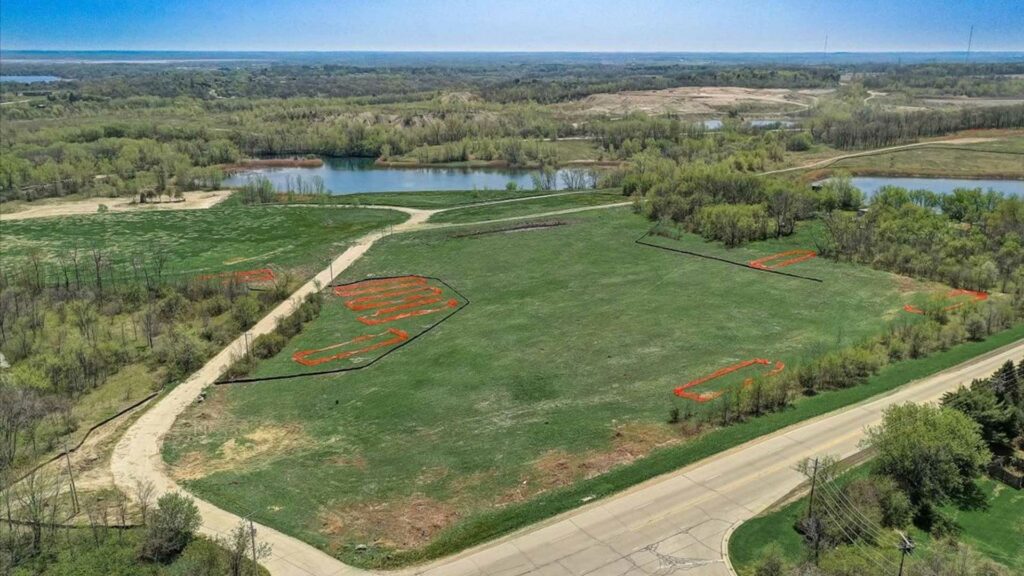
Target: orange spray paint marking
<point>380,301</point>
<point>976,296</point>
<point>374,320</point>
<point>397,336</point>
<point>683,391</point>
<point>788,258</point>
<point>380,285</point>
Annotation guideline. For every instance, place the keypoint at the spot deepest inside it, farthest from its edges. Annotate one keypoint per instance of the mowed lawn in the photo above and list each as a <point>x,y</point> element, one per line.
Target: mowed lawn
<point>556,202</point>
<point>230,237</point>
<point>560,367</point>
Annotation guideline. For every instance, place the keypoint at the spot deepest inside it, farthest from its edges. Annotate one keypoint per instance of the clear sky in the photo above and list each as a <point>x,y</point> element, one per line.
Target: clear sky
<point>513,25</point>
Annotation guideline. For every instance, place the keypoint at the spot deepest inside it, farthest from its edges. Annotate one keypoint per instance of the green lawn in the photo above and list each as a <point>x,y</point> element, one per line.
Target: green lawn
<point>338,325</point>
<point>1004,545</point>
<point>563,362</point>
<point>231,237</point>
<point>425,199</point>
<point>533,206</point>
<point>966,160</point>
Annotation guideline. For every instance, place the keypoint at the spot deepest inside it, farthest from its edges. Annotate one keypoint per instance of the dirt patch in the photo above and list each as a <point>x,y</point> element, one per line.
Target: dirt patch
<point>402,524</point>
<point>557,468</point>
<point>47,208</point>
<point>696,100</point>
<point>263,443</point>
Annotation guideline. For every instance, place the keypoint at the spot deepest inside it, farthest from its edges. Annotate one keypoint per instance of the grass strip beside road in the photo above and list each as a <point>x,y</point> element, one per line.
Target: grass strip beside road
<point>490,525</point>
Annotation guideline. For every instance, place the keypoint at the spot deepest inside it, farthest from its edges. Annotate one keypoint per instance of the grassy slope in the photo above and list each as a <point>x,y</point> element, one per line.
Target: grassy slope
<point>526,207</point>
<point>291,238</point>
<point>1005,509</point>
<point>570,332</point>
<point>427,199</point>
<point>230,237</point>
<point>969,161</point>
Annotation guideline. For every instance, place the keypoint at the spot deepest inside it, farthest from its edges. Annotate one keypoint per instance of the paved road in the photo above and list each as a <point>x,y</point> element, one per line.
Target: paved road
<point>678,523</point>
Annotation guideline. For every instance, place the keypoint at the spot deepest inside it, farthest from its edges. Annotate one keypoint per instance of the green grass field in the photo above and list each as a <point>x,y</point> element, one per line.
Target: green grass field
<point>968,161</point>
<point>433,199</point>
<point>229,237</point>
<point>532,206</point>
<point>561,368</point>
<point>338,328</point>
<point>1005,509</point>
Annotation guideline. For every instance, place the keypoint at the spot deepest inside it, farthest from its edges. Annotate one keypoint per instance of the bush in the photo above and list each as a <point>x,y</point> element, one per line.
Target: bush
<point>171,528</point>
<point>267,345</point>
<point>771,563</point>
<point>182,353</point>
<point>246,311</point>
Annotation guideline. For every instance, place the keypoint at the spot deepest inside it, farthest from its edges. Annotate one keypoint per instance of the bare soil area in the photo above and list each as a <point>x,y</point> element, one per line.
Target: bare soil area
<point>698,100</point>
<point>60,207</point>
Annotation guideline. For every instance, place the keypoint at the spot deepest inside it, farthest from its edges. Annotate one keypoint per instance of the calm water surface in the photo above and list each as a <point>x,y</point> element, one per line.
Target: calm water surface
<point>29,79</point>
<point>353,175</point>
<point>870,184</point>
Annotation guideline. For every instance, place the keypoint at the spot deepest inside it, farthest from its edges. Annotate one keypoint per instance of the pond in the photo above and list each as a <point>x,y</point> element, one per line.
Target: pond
<point>353,175</point>
<point>713,124</point>
<point>870,184</point>
<point>29,79</point>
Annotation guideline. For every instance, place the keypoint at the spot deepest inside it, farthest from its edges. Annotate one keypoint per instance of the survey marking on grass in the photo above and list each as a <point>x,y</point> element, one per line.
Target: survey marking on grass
<point>362,322</point>
<point>686,390</point>
<point>783,259</point>
<point>958,293</point>
<point>648,239</point>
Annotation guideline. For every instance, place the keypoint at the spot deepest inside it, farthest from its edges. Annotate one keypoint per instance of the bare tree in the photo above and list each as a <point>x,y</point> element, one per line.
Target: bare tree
<point>240,544</point>
<point>144,491</point>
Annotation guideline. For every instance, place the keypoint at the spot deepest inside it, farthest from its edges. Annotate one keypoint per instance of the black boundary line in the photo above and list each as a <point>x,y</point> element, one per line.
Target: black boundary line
<point>733,262</point>
<point>523,226</point>
<point>91,429</point>
<point>375,360</point>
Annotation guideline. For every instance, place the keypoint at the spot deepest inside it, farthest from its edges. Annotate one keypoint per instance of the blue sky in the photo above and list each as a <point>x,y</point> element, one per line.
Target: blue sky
<point>512,25</point>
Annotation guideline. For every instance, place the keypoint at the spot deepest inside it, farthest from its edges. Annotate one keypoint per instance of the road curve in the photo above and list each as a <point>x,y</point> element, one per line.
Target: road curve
<point>677,522</point>
<point>829,161</point>
<point>137,457</point>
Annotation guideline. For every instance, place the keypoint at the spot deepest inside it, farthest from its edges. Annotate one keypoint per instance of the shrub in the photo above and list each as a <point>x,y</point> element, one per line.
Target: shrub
<point>267,345</point>
<point>246,311</point>
<point>171,528</point>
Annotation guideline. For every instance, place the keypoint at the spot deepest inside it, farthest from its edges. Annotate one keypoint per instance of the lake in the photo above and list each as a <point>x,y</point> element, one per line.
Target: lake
<point>870,184</point>
<point>353,175</point>
<point>29,79</point>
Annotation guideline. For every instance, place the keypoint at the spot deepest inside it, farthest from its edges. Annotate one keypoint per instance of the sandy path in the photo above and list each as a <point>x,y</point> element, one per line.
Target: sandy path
<point>834,159</point>
<point>192,201</point>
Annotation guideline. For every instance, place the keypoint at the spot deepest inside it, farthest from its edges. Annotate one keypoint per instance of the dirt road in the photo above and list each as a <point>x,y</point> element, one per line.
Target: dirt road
<point>829,161</point>
<point>192,201</point>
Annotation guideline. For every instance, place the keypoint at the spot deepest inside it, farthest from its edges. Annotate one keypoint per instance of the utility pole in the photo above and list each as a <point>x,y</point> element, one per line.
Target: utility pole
<point>815,524</point>
<point>824,53</point>
<point>71,475</point>
<point>906,547</point>
<point>252,537</point>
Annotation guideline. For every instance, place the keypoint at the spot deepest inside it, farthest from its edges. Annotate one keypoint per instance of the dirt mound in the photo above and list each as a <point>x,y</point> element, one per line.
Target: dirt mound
<point>696,100</point>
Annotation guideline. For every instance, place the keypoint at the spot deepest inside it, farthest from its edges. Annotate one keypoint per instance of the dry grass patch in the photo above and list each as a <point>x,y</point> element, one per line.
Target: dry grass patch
<point>400,524</point>
<point>261,444</point>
